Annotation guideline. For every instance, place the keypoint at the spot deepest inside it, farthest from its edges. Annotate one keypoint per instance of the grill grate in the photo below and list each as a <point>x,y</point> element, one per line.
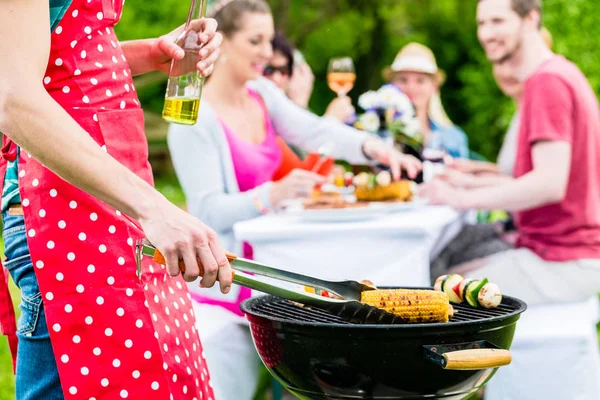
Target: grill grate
<point>273,307</point>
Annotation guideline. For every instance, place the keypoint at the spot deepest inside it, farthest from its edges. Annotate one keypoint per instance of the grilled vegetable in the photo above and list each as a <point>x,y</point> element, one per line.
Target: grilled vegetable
<point>477,293</point>
<point>451,285</point>
<point>472,292</point>
<point>384,178</point>
<point>361,179</point>
<point>411,305</point>
<point>489,296</point>
<point>462,289</point>
<point>438,283</point>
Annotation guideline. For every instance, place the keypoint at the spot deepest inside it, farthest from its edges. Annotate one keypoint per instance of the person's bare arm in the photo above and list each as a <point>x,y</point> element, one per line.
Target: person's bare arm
<point>471,166</point>
<point>546,184</point>
<point>32,119</point>
<point>147,55</point>
<point>469,181</point>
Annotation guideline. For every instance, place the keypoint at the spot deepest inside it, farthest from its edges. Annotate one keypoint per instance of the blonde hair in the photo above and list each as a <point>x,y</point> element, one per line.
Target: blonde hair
<point>547,36</point>
<point>436,111</point>
<point>228,13</point>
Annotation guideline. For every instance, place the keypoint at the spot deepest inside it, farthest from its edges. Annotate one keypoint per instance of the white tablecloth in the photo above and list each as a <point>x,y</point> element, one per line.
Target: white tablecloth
<point>392,250</point>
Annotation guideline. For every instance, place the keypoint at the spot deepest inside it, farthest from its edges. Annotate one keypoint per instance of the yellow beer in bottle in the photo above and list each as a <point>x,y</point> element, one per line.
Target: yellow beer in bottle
<point>184,88</point>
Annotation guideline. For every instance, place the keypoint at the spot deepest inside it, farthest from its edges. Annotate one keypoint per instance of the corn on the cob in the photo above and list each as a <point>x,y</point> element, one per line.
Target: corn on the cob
<point>411,305</point>
<point>394,191</point>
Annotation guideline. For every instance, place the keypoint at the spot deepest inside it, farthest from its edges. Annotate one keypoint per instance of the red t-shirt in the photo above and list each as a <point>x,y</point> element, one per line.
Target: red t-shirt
<point>559,104</point>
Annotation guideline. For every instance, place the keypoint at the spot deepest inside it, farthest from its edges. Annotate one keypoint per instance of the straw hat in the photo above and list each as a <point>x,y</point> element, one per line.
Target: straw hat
<point>415,57</point>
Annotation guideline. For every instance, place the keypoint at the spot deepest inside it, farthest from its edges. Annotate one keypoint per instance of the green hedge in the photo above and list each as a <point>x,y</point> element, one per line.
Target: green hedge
<point>372,31</point>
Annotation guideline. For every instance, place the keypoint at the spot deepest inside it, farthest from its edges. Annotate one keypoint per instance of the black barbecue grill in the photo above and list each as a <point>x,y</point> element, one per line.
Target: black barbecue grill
<point>340,348</point>
<point>284,310</point>
<point>319,355</point>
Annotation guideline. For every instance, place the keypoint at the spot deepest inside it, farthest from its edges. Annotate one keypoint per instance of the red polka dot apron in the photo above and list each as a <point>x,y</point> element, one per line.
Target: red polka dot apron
<point>114,335</point>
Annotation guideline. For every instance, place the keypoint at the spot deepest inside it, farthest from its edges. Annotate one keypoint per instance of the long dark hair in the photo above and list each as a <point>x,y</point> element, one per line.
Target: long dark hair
<point>283,46</point>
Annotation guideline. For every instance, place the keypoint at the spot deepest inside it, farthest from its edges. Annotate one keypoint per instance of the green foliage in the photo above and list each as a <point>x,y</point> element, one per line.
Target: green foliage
<point>372,32</point>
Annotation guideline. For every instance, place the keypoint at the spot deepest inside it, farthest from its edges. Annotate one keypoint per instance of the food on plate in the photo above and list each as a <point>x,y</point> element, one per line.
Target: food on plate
<point>329,197</point>
<point>343,180</point>
<point>325,192</point>
<point>380,187</point>
<point>411,305</point>
<point>332,202</point>
<point>477,293</point>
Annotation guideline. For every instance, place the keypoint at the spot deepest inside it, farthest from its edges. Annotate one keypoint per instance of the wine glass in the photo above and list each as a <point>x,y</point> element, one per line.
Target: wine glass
<point>341,75</point>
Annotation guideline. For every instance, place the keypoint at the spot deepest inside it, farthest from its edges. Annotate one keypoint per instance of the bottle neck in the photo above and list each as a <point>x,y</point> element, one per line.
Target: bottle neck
<point>197,11</point>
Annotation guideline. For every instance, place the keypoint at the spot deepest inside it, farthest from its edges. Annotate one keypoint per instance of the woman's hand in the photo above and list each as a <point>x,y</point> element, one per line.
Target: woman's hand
<point>340,108</point>
<point>207,41</point>
<point>297,184</point>
<point>387,155</point>
<point>300,86</point>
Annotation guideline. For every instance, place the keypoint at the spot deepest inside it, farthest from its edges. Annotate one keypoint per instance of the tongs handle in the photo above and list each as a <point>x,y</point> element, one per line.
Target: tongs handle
<point>249,281</point>
<point>160,259</point>
<point>263,270</point>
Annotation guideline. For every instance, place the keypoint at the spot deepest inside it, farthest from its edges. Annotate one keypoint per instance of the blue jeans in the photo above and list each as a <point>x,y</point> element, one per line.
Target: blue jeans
<point>37,374</point>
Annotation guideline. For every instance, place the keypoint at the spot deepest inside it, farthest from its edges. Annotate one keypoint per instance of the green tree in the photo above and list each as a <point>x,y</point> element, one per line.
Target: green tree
<point>372,32</point>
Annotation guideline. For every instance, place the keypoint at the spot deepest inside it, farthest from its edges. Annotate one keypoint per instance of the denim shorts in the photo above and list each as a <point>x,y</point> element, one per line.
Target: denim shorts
<point>18,263</point>
<point>37,373</point>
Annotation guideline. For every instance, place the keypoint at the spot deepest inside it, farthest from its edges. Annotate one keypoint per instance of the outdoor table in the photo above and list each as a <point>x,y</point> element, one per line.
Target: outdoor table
<point>391,250</point>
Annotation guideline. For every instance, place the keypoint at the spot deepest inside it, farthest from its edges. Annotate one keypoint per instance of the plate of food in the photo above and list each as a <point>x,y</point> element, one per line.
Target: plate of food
<point>391,195</point>
<point>333,208</point>
<point>365,196</point>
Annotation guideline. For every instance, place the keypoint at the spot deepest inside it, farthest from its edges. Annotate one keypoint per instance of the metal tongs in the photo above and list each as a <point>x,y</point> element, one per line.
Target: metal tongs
<point>345,303</point>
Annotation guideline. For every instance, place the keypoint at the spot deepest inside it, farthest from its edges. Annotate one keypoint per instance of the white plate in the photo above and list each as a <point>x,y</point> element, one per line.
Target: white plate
<point>405,205</point>
<point>337,214</point>
<point>373,210</point>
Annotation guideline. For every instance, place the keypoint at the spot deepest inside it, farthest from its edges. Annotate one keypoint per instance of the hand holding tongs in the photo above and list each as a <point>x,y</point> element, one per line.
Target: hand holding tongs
<point>347,306</point>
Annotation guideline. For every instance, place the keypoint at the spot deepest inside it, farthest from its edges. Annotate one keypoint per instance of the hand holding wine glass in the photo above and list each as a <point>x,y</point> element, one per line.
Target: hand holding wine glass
<point>341,75</point>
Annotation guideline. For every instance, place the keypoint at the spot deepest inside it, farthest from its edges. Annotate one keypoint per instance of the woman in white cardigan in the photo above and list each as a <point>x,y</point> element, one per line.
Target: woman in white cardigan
<point>225,164</point>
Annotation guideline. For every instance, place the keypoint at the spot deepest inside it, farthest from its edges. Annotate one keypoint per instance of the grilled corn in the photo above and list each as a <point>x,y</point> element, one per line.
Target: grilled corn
<point>394,191</point>
<point>411,305</point>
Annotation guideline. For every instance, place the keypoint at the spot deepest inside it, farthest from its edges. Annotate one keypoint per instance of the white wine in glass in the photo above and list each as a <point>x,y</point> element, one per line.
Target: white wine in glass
<point>341,75</point>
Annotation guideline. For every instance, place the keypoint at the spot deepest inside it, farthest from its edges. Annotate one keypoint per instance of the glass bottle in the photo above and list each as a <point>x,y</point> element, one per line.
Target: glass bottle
<point>184,88</point>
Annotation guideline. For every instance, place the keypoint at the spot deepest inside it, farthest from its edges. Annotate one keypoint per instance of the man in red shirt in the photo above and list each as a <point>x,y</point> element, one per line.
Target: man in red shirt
<point>555,191</point>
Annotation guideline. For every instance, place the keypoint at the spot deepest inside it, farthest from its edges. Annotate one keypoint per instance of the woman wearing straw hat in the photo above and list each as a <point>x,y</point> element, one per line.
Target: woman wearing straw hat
<point>416,73</point>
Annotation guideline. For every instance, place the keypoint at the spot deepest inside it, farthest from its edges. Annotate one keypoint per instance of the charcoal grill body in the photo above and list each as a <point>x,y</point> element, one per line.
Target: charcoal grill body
<point>316,355</point>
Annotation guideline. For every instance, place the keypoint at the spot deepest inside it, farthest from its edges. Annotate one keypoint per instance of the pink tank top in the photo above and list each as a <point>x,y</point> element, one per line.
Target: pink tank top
<point>254,164</point>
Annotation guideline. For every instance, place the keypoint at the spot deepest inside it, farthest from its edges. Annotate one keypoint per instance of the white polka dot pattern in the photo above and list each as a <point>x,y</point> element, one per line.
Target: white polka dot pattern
<point>104,323</point>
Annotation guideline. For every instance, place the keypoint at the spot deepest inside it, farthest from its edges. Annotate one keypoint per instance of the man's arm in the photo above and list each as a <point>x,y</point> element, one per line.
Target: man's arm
<point>468,181</point>
<point>31,118</point>
<point>546,184</point>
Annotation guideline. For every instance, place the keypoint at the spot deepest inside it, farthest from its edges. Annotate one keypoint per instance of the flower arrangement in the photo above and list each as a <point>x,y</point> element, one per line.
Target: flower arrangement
<point>389,113</point>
